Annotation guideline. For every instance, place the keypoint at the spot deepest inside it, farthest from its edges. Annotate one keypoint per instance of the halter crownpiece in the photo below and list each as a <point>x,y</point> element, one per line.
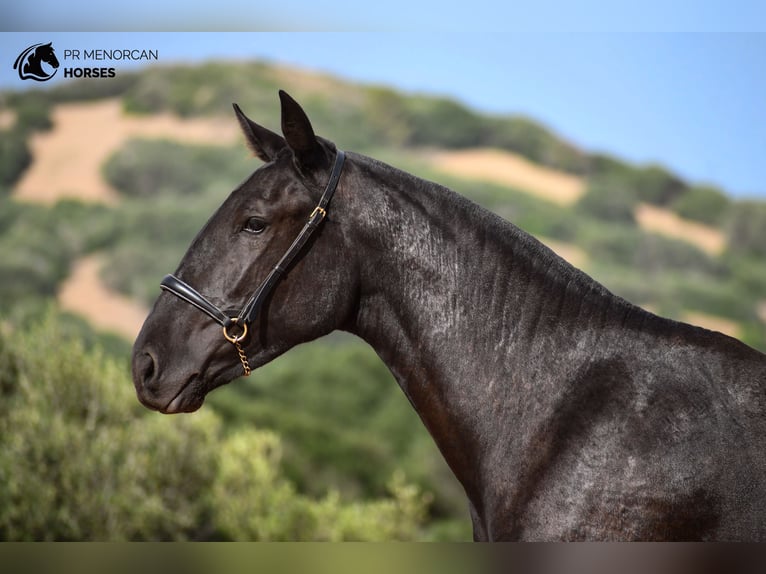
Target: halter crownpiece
<point>250,309</point>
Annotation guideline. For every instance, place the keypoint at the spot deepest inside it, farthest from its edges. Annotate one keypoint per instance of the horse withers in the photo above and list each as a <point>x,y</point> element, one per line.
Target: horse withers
<point>566,412</point>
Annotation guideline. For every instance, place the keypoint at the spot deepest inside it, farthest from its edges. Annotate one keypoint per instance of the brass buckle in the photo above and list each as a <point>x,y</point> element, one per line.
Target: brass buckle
<point>320,210</point>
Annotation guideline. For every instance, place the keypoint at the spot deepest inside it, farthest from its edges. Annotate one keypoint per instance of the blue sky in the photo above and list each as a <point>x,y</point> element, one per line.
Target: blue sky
<point>694,102</point>
<point>503,16</point>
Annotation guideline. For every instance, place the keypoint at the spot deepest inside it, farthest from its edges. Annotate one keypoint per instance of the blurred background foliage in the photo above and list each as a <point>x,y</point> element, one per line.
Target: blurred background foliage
<point>80,459</point>
<point>333,453</point>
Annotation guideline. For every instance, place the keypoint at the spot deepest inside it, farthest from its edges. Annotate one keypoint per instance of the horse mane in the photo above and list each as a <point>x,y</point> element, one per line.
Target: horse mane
<point>512,242</point>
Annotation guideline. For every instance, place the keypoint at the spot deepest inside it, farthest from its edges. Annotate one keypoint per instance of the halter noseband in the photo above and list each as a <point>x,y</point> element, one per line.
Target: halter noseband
<point>253,305</point>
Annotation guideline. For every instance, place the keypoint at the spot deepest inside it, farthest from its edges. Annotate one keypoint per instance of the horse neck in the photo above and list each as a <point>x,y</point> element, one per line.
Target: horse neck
<point>453,299</point>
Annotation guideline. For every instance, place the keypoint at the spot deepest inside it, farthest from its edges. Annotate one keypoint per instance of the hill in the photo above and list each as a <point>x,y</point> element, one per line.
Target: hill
<point>104,184</point>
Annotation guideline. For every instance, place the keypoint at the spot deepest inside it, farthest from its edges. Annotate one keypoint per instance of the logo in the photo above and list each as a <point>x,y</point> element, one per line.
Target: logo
<point>30,63</point>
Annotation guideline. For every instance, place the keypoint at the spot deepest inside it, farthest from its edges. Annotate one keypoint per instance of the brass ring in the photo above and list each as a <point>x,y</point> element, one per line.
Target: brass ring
<point>235,340</point>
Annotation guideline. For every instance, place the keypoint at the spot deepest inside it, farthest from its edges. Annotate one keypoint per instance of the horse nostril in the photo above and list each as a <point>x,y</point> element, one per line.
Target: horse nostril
<point>146,369</point>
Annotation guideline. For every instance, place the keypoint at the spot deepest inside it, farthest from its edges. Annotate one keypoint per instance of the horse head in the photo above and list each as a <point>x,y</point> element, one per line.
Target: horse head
<point>46,54</point>
<point>29,62</point>
<point>181,354</point>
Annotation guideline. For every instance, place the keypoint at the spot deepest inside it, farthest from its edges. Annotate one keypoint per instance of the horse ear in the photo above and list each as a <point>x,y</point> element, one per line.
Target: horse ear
<point>299,134</point>
<point>263,142</point>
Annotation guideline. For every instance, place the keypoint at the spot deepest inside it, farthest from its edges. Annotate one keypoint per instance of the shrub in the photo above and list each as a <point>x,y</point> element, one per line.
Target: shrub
<point>604,165</point>
<point>256,503</point>
<point>654,184</point>
<point>207,88</point>
<point>388,116</point>
<point>148,168</point>
<point>443,122</point>
<point>533,141</point>
<point>749,273</point>
<point>747,228</point>
<point>703,203</point>
<point>80,459</point>
<point>609,199</point>
<point>164,227</point>
<point>33,113</point>
<point>14,156</point>
<point>37,245</point>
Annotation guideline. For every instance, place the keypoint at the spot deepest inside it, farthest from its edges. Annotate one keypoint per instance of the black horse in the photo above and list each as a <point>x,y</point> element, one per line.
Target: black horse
<point>566,412</point>
<point>29,62</point>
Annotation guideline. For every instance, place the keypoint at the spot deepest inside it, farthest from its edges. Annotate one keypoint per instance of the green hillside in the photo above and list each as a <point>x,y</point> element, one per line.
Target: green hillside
<point>346,430</point>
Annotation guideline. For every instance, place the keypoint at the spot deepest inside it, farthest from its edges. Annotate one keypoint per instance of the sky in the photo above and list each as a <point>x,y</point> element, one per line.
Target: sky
<point>693,102</point>
<point>418,16</point>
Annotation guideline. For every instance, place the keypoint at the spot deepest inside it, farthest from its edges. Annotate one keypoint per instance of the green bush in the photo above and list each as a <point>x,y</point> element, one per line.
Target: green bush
<point>15,156</point>
<point>703,203</point>
<point>747,229</point>
<point>204,89</point>
<point>533,141</point>
<point>31,264</point>
<point>38,244</point>
<point>609,199</point>
<point>651,184</point>
<point>148,168</point>
<point>33,113</point>
<point>257,504</point>
<point>443,122</point>
<point>655,255</point>
<point>604,165</point>
<point>388,116</point>
<point>164,227</point>
<point>80,90</point>
<point>716,298</point>
<point>655,184</point>
<point>80,459</point>
<point>749,274</point>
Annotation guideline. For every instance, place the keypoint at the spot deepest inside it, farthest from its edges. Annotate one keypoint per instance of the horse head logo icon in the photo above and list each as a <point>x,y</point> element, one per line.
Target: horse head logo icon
<point>30,63</point>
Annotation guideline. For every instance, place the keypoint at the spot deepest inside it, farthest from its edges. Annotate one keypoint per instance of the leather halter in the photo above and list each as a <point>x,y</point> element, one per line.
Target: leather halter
<point>250,310</point>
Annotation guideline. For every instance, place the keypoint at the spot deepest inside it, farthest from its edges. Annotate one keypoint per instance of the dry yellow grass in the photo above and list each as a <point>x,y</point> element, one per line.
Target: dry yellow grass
<point>7,119</point>
<point>84,293</point>
<point>506,168</point>
<point>68,159</point>
<point>665,222</point>
<point>761,310</point>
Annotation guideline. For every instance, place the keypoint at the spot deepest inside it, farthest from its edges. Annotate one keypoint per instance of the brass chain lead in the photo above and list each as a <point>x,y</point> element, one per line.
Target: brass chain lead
<point>235,341</point>
<point>242,358</point>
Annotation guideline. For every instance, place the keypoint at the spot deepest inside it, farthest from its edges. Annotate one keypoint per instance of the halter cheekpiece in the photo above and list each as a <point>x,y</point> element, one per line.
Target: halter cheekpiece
<point>250,310</point>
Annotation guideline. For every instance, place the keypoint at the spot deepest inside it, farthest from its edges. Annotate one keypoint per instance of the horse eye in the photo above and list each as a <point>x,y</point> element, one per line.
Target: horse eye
<point>254,225</point>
